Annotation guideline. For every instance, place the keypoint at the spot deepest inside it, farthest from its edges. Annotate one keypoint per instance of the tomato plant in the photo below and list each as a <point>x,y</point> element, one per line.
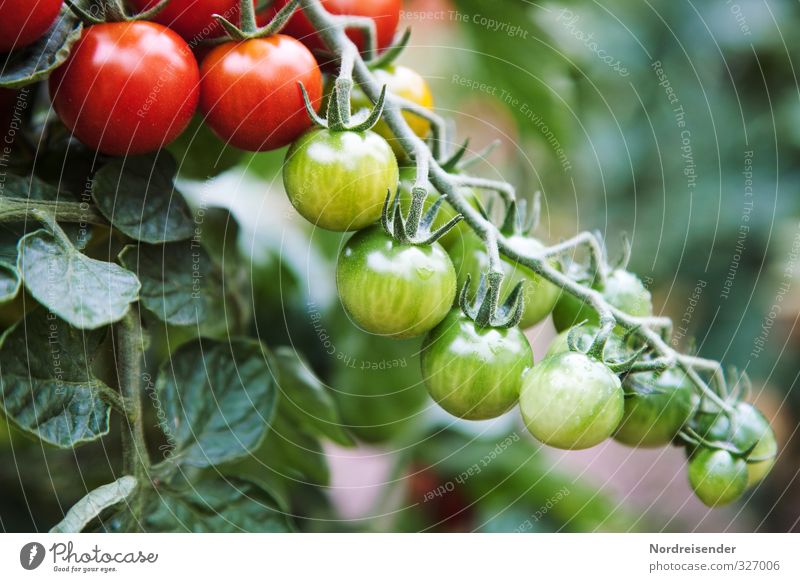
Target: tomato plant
<point>473,372</point>
<point>385,13</point>
<point>393,288</point>
<point>339,180</point>
<point>571,401</point>
<point>194,19</point>
<point>127,88</point>
<point>23,22</point>
<point>717,477</point>
<point>250,93</point>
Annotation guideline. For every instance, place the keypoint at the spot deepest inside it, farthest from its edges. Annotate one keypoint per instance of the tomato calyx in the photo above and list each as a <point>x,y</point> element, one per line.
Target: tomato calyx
<point>249,28</point>
<point>339,116</point>
<point>114,11</point>
<point>390,55</point>
<point>415,228</point>
<point>486,310</point>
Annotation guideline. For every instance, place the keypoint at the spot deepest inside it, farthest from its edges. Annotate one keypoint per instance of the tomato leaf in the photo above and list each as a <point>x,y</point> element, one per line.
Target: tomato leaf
<point>33,188</point>
<point>180,283</point>
<point>91,505</point>
<point>37,61</point>
<point>215,504</point>
<point>46,382</point>
<point>305,400</point>
<point>138,197</point>
<point>290,453</point>
<point>85,292</point>
<point>218,398</point>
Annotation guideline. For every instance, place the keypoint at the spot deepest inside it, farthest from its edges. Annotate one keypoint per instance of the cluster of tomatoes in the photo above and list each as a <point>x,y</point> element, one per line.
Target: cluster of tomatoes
<point>132,87</point>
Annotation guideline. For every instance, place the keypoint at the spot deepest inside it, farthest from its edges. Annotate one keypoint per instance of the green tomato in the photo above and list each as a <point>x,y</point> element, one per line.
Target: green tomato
<point>749,429</point>
<point>339,180</point>
<point>200,154</point>
<point>717,477</point>
<point>470,258</point>
<point>445,213</point>
<point>571,401</point>
<point>615,347</point>
<point>473,372</point>
<point>394,289</point>
<point>622,289</point>
<point>657,406</point>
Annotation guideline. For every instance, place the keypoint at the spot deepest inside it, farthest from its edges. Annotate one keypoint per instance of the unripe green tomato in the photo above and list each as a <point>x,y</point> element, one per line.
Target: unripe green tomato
<point>571,401</point>
<point>200,154</point>
<point>615,348</point>
<point>473,372</point>
<point>657,406</point>
<point>622,289</point>
<point>749,429</point>
<point>470,258</point>
<point>339,180</point>
<point>394,289</point>
<point>717,477</point>
<point>445,213</point>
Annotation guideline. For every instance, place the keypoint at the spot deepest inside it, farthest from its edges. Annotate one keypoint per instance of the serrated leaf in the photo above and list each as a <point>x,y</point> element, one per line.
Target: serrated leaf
<point>218,398</point>
<point>138,197</point>
<point>85,292</point>
<point>46,382</point>
<point>180,283</point>
<point>304,398</point>
<point>35,62</point>
<point>212,505</point>
<point>91,505</point>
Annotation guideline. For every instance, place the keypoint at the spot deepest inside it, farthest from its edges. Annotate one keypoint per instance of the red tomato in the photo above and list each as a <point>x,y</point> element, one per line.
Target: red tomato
<point>24,21</point>
<point>385,13</point>
<point>194,19</point>
<point>250,91</point>
<point>127,87</point>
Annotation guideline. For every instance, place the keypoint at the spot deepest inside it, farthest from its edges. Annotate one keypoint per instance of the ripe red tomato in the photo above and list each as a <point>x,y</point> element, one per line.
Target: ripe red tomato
<point>250,91</point>
<point>194,19</point>
<point>23,21</point>
<point>127,87</point>
<point>385,13</point>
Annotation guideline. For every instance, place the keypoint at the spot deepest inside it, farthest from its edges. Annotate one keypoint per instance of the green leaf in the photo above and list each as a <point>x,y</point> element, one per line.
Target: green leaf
<point>292,454</point>
<point>90,506</point>
<point>33,188</point>
<point>35,62</point>
<point>137,195</point>
<point>180,283</point>
<point>219,400</point>
<point>9,281</point>
<point>305,400</point>
<point>48,388</point>
<point>218,505</point>
<point>85,292</point>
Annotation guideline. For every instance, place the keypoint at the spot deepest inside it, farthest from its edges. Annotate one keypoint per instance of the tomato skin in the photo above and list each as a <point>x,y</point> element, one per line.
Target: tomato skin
<point>615,348</point>
<point>339,180</point>
<point>653,419</point>
<point>470,258</point>
<point>749,429</point>
<point>250,91</point>
<point>23,22</point>
<point>394,289</point>
<point>194,19</point>
<point>385,13</point>
<point>474,373</point>
<point>408,84</point>
<point>717,477</point>
<point>623,290</point>
<point>127,87</point>
<point>571,401</point>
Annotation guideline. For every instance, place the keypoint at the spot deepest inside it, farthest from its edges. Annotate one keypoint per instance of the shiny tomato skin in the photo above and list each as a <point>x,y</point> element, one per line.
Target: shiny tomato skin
<point>194,19</point>
<point>385,13</point>
<point>339,180</point>
<point>394,289</point>
<point>22,22</point>
<point>717,477</point>
<point>250,93</point>
<point>571,401</point>
<point>472,372</point>
<point>127,87</point>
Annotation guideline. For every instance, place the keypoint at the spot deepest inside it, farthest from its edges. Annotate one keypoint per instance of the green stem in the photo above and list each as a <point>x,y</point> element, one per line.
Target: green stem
<point>247,22</point>
<point>129,355</point>
<point>333,34</point>
<point>20,209</point>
